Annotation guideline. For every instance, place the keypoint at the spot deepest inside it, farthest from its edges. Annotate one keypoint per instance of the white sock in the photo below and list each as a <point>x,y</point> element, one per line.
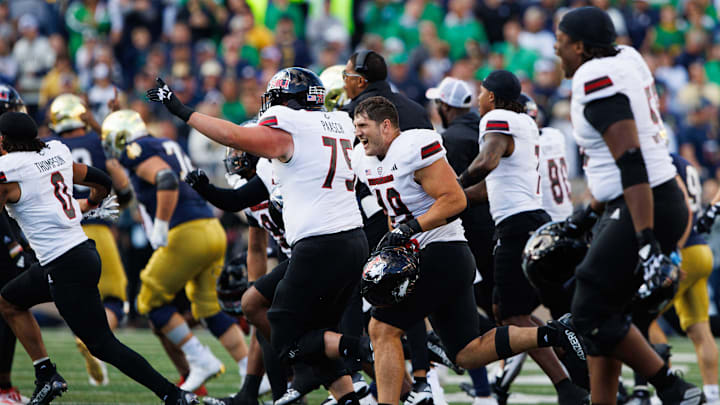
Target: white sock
<point>712,393</point>
<point>193,347</point>
<point>437,389</point>
<point>242,367</point>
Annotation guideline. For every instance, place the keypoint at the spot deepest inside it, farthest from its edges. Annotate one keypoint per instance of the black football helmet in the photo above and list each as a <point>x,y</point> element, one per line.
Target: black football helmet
<point>10,99</point>
<point>531,107</point>
<point>549,260</point>
<point>232,284</point>
<point>295,87</point>
<point>241,163</point>
<point>389,276</point>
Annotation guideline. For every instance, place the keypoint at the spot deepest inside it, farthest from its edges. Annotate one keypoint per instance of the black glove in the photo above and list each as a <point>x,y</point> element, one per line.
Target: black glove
<point>580,222</point>
<point>163,94</point>
<point>400,236</point>
<point>658,269</point>
<point>705,221</point>
<point>197,179</point>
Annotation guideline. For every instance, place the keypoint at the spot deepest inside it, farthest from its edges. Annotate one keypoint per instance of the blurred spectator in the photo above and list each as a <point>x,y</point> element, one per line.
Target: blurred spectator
<point>436,66</point>
<point>547,76</point>
<point>210,73</point>
<point>232,109</point>
<point>698,88</point>
<point>101,92</point>
<point>47,18</point>
<point>404,80</point>
<point>698,139</point>
<point>640,19</point>
<point>695,44</point>
<point>278,9</point>
<point>416,11</point>
<point>668,35</point>
<point>86,56</point>
<point>494,14</point>
<point>712,66</point>
<point>85,16</point>
<point>460,28</point>
<point>518,59</point>
<point>8,64</point>
<point>7,29</point>
<point>294,51</point>
<point>135,57</point>
<point>675,77</point>
<point>205,153</point>
<point>60,79</point>
<point>35,57</point>
<point>615,15</point>
<point>202,18</point>
<point>381,17</point>
<point>535,37</point>
<point>326,28</point>
<point>270,63</point>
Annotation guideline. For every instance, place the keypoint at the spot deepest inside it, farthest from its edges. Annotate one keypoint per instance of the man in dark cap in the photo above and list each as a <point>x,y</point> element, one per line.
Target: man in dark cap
<point>508,163</point>
<point>641,210</point>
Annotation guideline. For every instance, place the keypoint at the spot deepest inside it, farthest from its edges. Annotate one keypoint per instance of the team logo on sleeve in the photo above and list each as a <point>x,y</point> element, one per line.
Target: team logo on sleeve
<point>497,126</point>
<point>430,150</point>
<point>597,84</point>
<point>133,150</point>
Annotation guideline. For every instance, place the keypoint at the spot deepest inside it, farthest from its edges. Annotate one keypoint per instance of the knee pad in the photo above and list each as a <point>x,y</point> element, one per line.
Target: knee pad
<point>219,323</point>
<point>116,306</point>
<point>310,347</point>
<point>602,335</point>
<point>161,316</point>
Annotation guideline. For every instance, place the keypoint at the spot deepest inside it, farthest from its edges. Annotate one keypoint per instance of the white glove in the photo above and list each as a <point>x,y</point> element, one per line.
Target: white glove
<point>159,236</point>
<point>108,209</point>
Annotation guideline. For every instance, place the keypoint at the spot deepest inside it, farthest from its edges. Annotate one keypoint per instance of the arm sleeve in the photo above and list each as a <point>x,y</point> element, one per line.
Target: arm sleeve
<point>252,193</point>
<point>604,112</point>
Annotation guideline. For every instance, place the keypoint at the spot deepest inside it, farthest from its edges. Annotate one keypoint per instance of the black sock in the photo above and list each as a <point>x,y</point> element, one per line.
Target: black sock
<point>349,399</point>
<point>420,380</point>
<point>663,378</point>
<point>250,386</point>
<point>172,396</point>
<point>5,385</point>
<point>640,380</point>
<point>563,385</point>
<point>349,346</point>
<point>44,370</point>
<point>546,336</point>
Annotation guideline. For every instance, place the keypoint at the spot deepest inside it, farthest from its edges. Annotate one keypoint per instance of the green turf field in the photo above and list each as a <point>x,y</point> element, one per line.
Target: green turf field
<point>532,386</point>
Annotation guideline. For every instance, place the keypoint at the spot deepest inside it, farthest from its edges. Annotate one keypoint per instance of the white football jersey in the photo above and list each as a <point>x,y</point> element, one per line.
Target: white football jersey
<point>317,183</point>
<point>625,73</point>
<point>392,180</point>
<point>554,182</point>
<point>260,212</point>
<point>514,186</point>
<point>46,212</point>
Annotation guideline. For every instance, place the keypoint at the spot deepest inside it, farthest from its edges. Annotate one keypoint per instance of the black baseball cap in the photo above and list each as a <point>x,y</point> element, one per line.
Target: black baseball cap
<point>503,84</point>
<point>17,125</point>
<point>590,25</point>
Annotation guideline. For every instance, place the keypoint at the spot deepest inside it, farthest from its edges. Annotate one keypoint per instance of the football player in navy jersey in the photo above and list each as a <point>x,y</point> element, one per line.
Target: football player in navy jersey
<point>68,120</point>
<point>189,244</point>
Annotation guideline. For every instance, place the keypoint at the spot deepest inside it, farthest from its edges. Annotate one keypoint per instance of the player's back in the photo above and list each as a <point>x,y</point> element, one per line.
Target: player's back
<point>555,185</point>
<point>46,211</point>
<point>190,205</point>
<point>691,178</point>
<point>317,183</point>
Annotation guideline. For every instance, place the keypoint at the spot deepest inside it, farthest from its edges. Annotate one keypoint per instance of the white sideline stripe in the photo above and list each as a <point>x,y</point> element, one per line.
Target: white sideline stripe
<point>515,398</point>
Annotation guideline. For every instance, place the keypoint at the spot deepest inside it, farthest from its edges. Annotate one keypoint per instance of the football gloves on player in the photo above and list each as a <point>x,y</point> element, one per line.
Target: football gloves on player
<point>580,222</point>
<point>108,209</point>
<point>197,179</point>
<point>400,236</point>
<point>159,235</point>
<point>163,94</point>
<point>658,269</point>
<point>706,220</point>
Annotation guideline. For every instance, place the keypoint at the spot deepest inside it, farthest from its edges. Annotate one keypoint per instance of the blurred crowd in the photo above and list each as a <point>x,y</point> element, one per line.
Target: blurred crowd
<point>217,55</point>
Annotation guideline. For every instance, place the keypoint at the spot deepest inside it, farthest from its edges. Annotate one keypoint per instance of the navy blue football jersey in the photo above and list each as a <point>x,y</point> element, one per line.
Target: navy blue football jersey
<point>190,205</point>
<point>691,178</point>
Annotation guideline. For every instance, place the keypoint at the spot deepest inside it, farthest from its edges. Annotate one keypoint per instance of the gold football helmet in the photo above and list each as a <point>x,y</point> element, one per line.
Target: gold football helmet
<point>65,113</point>
<point>121,128</point>
<point>334,84</point>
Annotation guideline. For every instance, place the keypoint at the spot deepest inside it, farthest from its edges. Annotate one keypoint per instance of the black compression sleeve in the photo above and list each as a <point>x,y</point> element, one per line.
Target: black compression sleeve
<point>99,177</point>
<point>604,112</point>
<point>252,193</point>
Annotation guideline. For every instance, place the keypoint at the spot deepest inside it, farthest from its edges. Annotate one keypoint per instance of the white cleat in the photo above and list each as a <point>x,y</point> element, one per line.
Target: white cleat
<point>484,401</point>
<point>202,368</point>
<point>11,396</point>
<point>264,386</point>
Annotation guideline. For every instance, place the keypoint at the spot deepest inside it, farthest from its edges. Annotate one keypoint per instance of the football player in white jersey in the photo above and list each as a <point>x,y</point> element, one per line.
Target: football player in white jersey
<point>509,162</point>
<point>415,184</point>
<point>310,150</point>
<point>643,212</point>
<point>554,181</point>
<point>36,187</point>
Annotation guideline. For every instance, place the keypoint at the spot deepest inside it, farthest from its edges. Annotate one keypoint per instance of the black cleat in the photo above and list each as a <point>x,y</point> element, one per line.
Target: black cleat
<point>292,396</point>
<point>46,391</point>
<point>361,387</point>
<point>468,388</point>
<point>421,394</point>
<point>681,392</point>
<point>573,395</point>
<point>622,394</point>
<point>438,353</point>
<point>500,392</point>
<point>183,398</point>
<point>640,396</point>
